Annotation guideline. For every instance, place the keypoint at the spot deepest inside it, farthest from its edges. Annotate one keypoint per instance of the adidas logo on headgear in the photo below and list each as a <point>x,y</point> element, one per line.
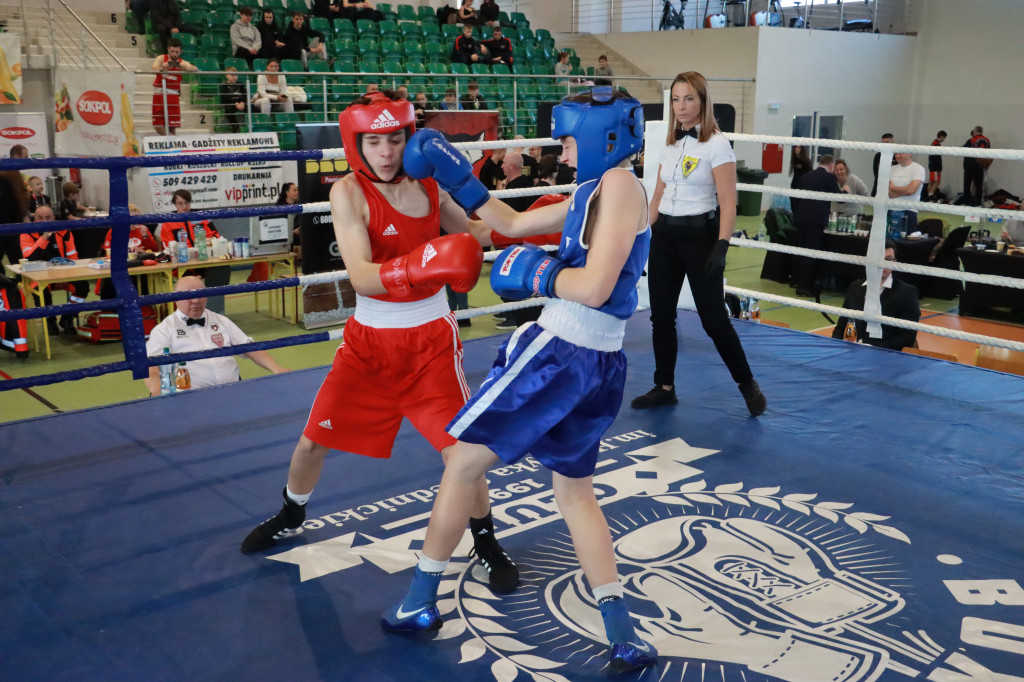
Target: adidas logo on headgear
<point>385,120</point>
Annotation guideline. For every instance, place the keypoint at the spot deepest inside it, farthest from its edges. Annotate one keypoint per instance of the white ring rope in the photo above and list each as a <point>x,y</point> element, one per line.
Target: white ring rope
<point>873,265</point>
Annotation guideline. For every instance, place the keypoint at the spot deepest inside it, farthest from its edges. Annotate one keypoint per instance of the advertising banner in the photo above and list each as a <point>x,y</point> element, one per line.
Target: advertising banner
<point>10,68</point>
<point>27,129</point>
<point>465,126</point>
<point>93,115</point>
<point>215,186</point>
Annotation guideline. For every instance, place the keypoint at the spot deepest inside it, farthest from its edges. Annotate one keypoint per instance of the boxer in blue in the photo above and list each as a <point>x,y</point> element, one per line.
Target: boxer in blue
<point>557,384</point>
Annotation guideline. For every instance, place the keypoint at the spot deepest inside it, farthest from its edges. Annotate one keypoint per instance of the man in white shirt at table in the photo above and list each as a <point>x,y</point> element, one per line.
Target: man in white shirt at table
<point>906,181</point>
<point>193,328</point>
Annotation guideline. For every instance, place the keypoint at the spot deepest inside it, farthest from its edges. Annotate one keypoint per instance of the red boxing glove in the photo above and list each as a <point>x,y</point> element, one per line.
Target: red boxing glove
<point>501,241</point>
<point>454,259</point>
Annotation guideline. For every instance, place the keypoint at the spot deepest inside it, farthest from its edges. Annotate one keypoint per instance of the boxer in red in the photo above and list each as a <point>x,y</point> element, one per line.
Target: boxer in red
<point>401,356</point>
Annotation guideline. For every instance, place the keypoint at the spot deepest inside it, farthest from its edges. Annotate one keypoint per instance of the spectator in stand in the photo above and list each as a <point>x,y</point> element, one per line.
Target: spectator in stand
<point>246,40</point>
<point>272,90</point>
<point>402,91</point>
<point>811,219</point>
<point>46,246</point>
<point>491,173</point>
<point>194,328</point>
<point>472,99</point>
<point>935,167</point>
<point>167,88</point>
<point>360,10</point>
<point>233,99</point>
<point>36,197</point>
<point>799,164</point>
<point>450,103</point>
<point>328,9</point>
<point>974,168</point>
<point>420,106</point>
<point>887,139</point>
<point>139,8</point>
<point>466,49</point>
<point>69,208</point>
<point>898,299</point>
<point>603,73</point>
<point>850,184</point>
<point>302,42</point>
<point>166,16</point>
<point>499,48</point>
<point>271,36</point>
<point>563,67</point>
<point>489,13</point>
<point>468,15</point>
<point>906,181</point>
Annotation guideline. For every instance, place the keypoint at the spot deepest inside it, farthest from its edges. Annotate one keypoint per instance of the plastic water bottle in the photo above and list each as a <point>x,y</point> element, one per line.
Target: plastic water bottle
<point>166,385</point>
<point>850,333</point>
<point>201,246</point>
<point>744,308</point>
<point>182,246</point>
<point>762,233</point>
<point>182,380</point>
<point>754,310</point>
<point>832,222</point>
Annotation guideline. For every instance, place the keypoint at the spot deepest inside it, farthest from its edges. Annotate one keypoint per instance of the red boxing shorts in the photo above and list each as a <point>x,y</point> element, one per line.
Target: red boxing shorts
<point>173,119</point>
<point>380,375</point>
<point>934,176</point>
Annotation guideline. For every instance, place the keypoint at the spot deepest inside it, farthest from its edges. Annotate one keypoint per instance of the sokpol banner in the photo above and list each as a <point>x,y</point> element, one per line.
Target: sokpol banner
<point>10,68</point>
<point>28,130</point>
<point>93,114</point>
<point>245,183</point>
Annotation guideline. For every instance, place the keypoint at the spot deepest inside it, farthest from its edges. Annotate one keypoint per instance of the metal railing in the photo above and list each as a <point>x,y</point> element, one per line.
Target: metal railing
<point>61,33</point>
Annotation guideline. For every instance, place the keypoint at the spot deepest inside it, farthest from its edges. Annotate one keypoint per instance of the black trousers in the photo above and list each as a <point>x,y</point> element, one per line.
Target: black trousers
<point>811,237</point>
<point>683,252</point>
<point>974,183</point>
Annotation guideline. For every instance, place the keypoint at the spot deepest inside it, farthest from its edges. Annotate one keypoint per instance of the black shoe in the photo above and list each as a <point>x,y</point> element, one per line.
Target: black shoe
<point>804,292</point>
<point>281,525</point>
<point>502,573</point>
<point>466,323</point>
<point>51,327</point>
<point>506,324</point>
<point>67,325</point>
<point>756,402</point>
<point>656,397</point>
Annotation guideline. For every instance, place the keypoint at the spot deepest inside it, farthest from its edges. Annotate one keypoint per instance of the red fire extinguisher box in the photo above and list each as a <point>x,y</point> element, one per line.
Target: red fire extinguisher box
<point>771,158</point>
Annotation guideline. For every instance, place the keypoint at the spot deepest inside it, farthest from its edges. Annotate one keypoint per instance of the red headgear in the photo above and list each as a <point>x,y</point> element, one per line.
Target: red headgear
<point>380,117</point>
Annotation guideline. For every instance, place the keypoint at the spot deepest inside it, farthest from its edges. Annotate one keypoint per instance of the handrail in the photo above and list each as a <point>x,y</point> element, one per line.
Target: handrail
<point>94,36</point>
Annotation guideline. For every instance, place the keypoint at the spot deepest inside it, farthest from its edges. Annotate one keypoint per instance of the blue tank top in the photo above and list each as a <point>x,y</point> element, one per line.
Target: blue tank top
<point>571,250</point>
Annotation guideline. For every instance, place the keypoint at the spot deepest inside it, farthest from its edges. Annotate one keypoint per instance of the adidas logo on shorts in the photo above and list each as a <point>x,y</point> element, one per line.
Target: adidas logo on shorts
<point>390,231</point>
<point>385,120</point>
<point>428,254</point>
<point>326,424</point>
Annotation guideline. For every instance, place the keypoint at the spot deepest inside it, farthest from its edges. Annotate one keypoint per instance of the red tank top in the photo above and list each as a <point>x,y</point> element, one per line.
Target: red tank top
<point>168,79</point>
<point>393,234</point>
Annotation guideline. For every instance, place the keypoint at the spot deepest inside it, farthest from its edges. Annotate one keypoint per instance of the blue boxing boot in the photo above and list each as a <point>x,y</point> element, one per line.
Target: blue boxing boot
<point>418,611</point>
<point>628,652</point>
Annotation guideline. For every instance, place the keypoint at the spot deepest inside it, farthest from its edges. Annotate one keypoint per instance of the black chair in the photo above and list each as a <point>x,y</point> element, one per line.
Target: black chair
<point>946,258</point>
<point>916,252</point>
<point>778,266</point>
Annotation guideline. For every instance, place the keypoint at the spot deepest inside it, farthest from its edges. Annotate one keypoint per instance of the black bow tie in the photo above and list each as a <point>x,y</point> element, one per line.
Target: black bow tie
<point>692,132</point>
<point>201,321</point>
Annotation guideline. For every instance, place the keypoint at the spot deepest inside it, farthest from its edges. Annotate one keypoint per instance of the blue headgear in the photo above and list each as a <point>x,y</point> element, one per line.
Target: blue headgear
<point>606,131</point>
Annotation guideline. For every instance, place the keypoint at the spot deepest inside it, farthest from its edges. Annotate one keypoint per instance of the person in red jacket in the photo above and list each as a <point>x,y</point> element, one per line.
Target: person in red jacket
<point>402,356</point>
<point>47,246</point>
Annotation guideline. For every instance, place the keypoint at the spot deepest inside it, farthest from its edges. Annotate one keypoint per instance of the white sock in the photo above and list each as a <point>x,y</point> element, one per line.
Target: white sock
<point>428,565</point>
<point>296,498</point>
<point>611,590</point>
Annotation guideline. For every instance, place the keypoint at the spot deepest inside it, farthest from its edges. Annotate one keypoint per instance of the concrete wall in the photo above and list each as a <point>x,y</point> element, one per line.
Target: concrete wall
<point>967,73</point>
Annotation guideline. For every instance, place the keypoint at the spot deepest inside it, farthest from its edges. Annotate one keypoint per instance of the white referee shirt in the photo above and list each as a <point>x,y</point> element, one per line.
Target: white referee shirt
<point>175,333</point>
<point>686,171</point>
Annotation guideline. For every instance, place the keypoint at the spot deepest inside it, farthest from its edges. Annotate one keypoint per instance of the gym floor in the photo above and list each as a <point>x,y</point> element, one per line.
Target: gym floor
<point>743,270</point>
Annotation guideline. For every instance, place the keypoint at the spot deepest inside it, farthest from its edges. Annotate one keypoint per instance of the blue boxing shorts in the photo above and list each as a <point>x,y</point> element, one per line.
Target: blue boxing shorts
<point>546,397</point>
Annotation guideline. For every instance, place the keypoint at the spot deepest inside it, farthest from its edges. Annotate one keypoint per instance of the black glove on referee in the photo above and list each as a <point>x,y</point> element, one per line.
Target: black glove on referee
<point>716,259</point>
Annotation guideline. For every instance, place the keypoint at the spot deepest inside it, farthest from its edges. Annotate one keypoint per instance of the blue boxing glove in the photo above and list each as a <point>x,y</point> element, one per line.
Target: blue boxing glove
<point>429,155</point>
<point>521,271</point>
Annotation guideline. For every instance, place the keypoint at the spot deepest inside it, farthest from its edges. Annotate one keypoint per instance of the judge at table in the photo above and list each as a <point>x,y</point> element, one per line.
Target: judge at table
<point>899,300</point>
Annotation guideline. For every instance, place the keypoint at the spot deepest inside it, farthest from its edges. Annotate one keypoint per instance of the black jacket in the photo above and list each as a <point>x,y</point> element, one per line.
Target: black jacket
<point>814,211</point>
<point>900,302</point>
<point>295,41</point>
<point>230,95</point>
<point>165,13</point>
<point>268,34</point>
<point>500,49</point>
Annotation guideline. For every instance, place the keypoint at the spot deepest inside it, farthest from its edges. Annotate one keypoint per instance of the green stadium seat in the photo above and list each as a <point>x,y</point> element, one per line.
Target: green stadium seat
<point>543,34</point>
<point>437,67</point>
<point>258,65</point>
<point>261,123</point>
<point>344,48</point>
<point>436,52</point>
<point>292,66</point>
<point>188,42</point>
<point>369,66</point>
<point>320,24</point>
<point>410,31</point>
<point>389,30</point>
<point>519,19</point>
<point>413,51</point>
<point>346,65</point>
<point>365,27</point>
<point>391,48</point>
<point>298,6</point>
<point>426,12</point>
<point>344,27</point>
<point>486,32</point>
<point>501,69</point>
<point>407,13</point>
<point>450,32</point>
<point>238,63</point>
<point>458,67</point>
<point>504,19</point>
<point>393,66</point>
<point>430,28</point>
<point>480,69</point>
<point>388,10</point>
